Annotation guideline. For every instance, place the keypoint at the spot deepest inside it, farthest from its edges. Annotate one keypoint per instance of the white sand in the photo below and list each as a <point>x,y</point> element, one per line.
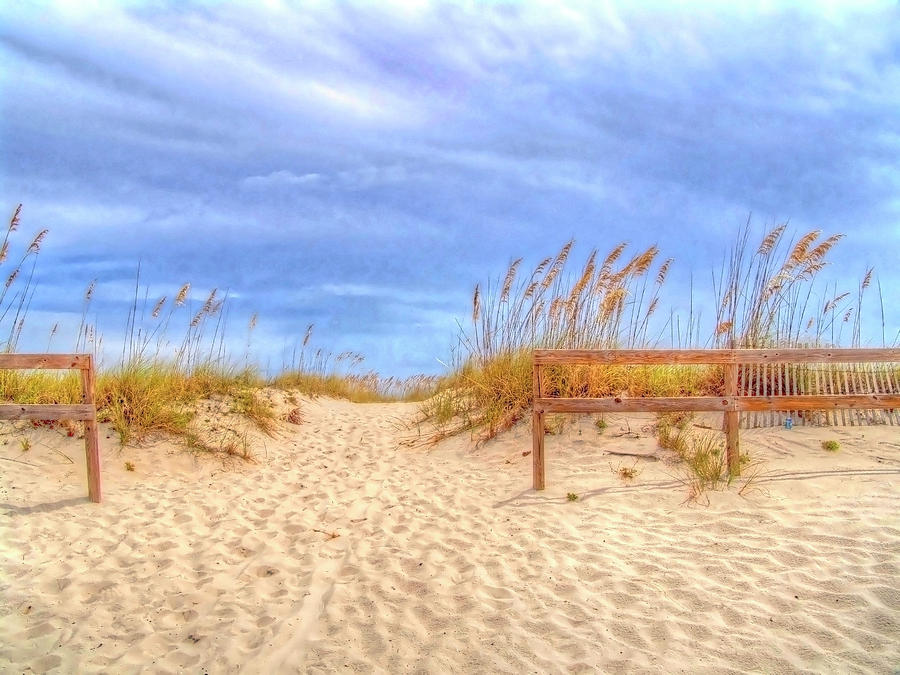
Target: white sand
<point>446,560</point>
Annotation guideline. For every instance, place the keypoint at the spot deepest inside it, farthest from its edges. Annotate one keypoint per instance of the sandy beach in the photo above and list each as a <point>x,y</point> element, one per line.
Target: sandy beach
<point>348,547</point>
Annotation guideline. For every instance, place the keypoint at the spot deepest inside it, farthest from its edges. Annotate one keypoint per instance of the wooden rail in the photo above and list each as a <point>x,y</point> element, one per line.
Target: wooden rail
<point>731,404</point>
<point>85,412</point>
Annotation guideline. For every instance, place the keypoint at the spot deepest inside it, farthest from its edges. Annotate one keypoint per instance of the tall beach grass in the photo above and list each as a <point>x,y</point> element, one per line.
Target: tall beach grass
<point>765,294</point>
<point>172,357</point>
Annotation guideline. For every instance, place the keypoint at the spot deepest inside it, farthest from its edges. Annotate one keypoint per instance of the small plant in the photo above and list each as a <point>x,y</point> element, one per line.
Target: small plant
<point>626,473</point>
<point>248,404</point>
<point>572,497</point>
<point>705,465</point>
<point>680,420</point>
<point>831,446</point>
<point>25,443</point>
<point>672,438</point>
<point>129,466</point>
<point>228,443</point>
<point>554,424</point>
<point>601,424</point>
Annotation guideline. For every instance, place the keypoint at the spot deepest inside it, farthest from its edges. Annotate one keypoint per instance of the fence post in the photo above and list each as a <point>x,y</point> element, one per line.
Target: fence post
<point>91,435</point>
<point>732,422</point>
<point>537,430</point>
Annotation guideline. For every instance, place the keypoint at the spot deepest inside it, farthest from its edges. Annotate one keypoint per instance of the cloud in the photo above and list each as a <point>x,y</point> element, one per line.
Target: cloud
<point>282,177</point>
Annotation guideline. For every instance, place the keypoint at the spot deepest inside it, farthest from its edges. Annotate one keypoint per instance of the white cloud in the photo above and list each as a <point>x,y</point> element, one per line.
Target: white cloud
<point>281,177</point>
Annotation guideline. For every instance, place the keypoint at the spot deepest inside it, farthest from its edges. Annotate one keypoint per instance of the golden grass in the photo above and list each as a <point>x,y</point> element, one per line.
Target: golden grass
<point>367,388</point>
<point>763,299</point>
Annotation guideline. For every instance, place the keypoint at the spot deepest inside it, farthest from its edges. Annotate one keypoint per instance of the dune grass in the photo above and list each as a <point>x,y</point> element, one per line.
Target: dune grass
<point>148,391</point>
<point>764,297</point>
<point>358,388</point>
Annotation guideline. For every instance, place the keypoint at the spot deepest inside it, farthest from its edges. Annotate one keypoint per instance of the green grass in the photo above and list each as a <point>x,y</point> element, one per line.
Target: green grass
<point>831,446</point>
<point>248,403</point>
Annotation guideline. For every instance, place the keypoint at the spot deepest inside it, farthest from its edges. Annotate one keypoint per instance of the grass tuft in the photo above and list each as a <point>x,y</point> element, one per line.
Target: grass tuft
<point>626,473</point>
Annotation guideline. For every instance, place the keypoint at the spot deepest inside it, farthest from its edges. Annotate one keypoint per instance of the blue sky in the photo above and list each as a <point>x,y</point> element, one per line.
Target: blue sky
<point>361,166</point>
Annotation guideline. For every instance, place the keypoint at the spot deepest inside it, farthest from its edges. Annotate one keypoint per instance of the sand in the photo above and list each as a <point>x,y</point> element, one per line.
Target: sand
<point>343,548</point>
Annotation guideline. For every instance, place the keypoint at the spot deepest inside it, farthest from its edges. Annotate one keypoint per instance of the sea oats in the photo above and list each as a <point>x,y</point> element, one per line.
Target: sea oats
<point>181,296</point>
<point>831,304</point>
<point>476,303</point>
<point>867,279</point>
<point>556,307</point>
<point>663,272</point>
<point>158,307</point>
<point>541,266</point>
<point>770,241</point>
<point>510,276</point>
<point>612,257</point>
<point>14,221</point>
<point>35,245</point>
<point>642,263</point>
<point>586,275</point>
<point>558,263</point>
<point>208,305</point>
<point>612,302</point>
<point>798,253</point>
<point>811,270</point>
<point>822,249</point>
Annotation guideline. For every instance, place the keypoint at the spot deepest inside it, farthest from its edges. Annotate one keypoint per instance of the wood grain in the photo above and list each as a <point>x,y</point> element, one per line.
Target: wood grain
<point>17,411</point>
<point>45,361</point>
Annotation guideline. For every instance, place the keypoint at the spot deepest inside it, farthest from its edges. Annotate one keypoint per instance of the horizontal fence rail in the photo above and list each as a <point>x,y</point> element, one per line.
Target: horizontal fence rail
<point>85,412</point>
<point>732,404</point>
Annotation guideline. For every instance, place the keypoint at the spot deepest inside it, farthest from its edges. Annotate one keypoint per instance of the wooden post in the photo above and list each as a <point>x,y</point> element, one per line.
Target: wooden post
<point>537,431</point>
<point>732,422</point>
<point>91,435</point>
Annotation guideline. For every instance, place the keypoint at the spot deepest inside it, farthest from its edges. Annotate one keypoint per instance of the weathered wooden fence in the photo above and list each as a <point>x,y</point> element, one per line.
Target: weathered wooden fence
<point>781,379</point>
<point>882,396</point>
<point>85,411</point>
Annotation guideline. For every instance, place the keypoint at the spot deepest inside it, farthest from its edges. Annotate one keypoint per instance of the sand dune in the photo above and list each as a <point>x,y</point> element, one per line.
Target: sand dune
<point>343,549</point>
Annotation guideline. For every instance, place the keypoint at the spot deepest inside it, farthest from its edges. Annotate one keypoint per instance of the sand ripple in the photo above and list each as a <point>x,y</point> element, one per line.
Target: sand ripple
<point>445,561</point>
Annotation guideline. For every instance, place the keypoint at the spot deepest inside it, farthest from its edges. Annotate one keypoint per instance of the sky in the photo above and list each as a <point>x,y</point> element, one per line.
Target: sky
<point>361,165</point>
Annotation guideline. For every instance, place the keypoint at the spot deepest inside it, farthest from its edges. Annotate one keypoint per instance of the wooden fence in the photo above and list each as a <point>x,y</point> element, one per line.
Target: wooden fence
<point>85,411</point>
<point>780,379</point>
<point>732,403</point>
